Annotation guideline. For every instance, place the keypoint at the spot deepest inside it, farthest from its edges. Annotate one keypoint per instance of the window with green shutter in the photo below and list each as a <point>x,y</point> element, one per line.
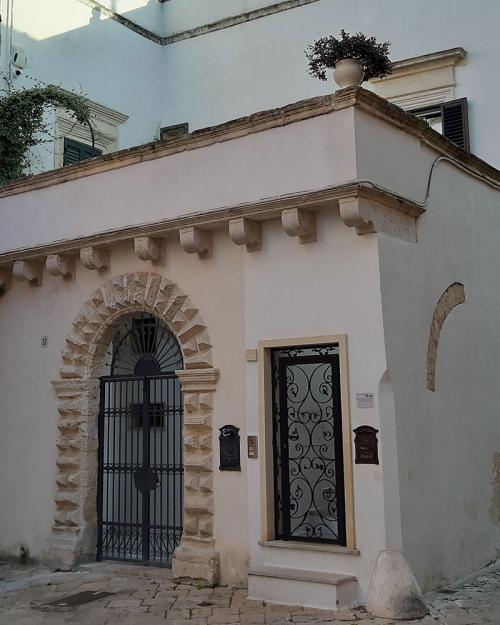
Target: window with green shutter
<point>450,119</point>
<point>74,151</point>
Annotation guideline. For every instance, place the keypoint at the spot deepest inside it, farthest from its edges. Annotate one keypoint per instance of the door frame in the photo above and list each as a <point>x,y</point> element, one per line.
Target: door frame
<point>266,431</point>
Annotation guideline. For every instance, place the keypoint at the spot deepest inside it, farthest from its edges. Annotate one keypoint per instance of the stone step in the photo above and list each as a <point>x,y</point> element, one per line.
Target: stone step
<point>312,589</point>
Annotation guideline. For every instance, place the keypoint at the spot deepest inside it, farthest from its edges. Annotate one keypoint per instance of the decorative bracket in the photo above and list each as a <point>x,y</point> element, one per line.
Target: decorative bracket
<point>5,279</point>
<point>196,241</point>
<point>299,223</point>
<point>369,211</point>
<point>149,248</point>
<point>29,271</point>
<point>244,231</point>
<point>95,258</point>
<point>61,265</point>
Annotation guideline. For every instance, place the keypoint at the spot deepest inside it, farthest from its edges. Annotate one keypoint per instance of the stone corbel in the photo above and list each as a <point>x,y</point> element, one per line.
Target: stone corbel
<point>28,271</point>
<point>196,241</point>
<point>244,231</point>
<point>61,265</point>
<point>5,279</point>
<point>299,223</point>
<point>368,211</point>
<point>149,248</point>
<point>94,258</point>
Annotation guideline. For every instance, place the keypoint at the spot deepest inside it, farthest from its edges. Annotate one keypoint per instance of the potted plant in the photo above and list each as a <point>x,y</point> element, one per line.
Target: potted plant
<point>353,58</point>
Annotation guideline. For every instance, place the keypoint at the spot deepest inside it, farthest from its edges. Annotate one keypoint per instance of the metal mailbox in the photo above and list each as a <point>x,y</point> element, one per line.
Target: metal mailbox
<point>229,444</point>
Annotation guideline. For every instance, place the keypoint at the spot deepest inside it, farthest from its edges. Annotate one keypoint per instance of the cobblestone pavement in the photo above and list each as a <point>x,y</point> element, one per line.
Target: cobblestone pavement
<point>145,596</point>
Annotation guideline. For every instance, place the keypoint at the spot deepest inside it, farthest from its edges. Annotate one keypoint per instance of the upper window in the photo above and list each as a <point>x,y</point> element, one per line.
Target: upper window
<point>74,141</point>
<point>74,151</point>
<point>425,86</point>
<point>450,119</point>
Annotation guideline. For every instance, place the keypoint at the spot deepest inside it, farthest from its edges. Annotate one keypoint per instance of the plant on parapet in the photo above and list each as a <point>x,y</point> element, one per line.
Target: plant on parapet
<point>23,124</point>
<point>370,57</point>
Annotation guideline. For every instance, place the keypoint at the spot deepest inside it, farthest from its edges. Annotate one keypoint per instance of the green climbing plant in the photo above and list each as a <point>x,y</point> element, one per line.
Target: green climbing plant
<point>23,124</point>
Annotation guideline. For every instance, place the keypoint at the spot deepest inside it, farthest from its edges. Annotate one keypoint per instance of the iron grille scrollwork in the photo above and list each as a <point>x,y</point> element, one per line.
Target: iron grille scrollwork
<point>308,460</point>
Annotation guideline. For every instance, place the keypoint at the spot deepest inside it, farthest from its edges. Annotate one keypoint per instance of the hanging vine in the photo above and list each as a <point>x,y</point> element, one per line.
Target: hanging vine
<point>23,124</point>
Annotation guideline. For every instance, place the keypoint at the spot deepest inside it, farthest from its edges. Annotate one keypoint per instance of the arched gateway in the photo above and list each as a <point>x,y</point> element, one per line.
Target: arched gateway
<point>140,472</point>
<point>142,332</point>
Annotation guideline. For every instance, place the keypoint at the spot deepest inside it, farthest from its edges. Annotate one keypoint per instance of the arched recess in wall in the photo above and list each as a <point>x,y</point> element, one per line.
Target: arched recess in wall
<point>73,536</point>
<point>390,464</point>
<point>450,298</point>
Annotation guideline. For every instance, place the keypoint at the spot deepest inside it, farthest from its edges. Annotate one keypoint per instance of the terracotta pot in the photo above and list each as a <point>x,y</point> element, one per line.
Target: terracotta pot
<point>348,73</point>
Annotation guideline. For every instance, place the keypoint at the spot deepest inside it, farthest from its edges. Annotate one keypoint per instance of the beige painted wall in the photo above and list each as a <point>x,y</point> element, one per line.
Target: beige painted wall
<point>283,291</point>
<point>29,415</point>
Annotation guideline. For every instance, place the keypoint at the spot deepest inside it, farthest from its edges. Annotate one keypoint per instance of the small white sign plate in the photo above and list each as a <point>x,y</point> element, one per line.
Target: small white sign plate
<point>364,400</point>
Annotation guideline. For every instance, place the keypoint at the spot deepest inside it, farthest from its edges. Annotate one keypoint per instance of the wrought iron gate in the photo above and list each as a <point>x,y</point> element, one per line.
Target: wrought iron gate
<point>140,476</point>
<point>308,457</point>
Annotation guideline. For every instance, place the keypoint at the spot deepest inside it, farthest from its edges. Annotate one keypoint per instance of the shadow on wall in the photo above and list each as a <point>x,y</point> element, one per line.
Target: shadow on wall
<point>390,465</point>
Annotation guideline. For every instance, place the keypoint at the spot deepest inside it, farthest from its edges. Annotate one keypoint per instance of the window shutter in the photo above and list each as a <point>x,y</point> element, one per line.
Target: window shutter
<point>456,122</point>
<point>74,151</point>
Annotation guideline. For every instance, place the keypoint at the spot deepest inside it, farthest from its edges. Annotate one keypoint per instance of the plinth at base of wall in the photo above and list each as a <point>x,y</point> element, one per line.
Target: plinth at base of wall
<point>196,560</point>
<point>63,550</point>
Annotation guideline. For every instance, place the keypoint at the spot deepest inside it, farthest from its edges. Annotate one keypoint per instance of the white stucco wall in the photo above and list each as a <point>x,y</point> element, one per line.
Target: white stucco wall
<point>300,157</point>
<point>261,64</point>
<point>325,288</point>
<point>447,440</point>
<point>70,45</point>
<point>254,66</point>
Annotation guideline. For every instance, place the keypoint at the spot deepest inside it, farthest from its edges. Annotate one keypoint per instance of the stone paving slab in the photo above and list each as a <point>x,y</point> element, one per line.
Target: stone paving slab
<point>145,596</point>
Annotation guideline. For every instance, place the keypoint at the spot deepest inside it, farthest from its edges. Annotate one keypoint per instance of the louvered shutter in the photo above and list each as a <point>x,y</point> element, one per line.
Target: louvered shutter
<point>456,122</point>
<point>74,151</point>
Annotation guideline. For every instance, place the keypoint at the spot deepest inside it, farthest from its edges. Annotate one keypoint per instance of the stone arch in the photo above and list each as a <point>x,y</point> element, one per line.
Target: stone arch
<point>450,298</point>
<point>73,536</point>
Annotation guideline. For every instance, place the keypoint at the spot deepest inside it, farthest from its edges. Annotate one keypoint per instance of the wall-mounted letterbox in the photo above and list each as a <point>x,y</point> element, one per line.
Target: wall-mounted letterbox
<point>229,444</point>
<point>366,445</point>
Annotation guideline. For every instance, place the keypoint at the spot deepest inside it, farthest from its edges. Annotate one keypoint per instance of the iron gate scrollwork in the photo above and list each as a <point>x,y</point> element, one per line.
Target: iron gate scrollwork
<point>140,478</point>
<point>307,441</point>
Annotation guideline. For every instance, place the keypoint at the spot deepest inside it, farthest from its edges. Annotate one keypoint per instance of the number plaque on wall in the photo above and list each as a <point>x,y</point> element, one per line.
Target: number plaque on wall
<point>229,444</point>
<point>366,445</point>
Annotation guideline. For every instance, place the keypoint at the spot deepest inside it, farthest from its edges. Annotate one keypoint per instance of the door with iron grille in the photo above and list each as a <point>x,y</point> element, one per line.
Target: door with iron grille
<point>307,441</point>
<point>140,479</point>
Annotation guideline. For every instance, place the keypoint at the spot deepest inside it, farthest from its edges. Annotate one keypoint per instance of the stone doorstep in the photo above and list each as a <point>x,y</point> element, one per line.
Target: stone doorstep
<point>307,588</point>
<point>302,575</point>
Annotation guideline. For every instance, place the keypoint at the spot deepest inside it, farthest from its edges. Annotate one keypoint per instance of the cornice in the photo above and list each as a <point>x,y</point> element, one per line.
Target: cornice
<point>355,97</point>
<point>452,56</point>
<point>310,201</point>
<point>235,20</point>
<point>205,29</point>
